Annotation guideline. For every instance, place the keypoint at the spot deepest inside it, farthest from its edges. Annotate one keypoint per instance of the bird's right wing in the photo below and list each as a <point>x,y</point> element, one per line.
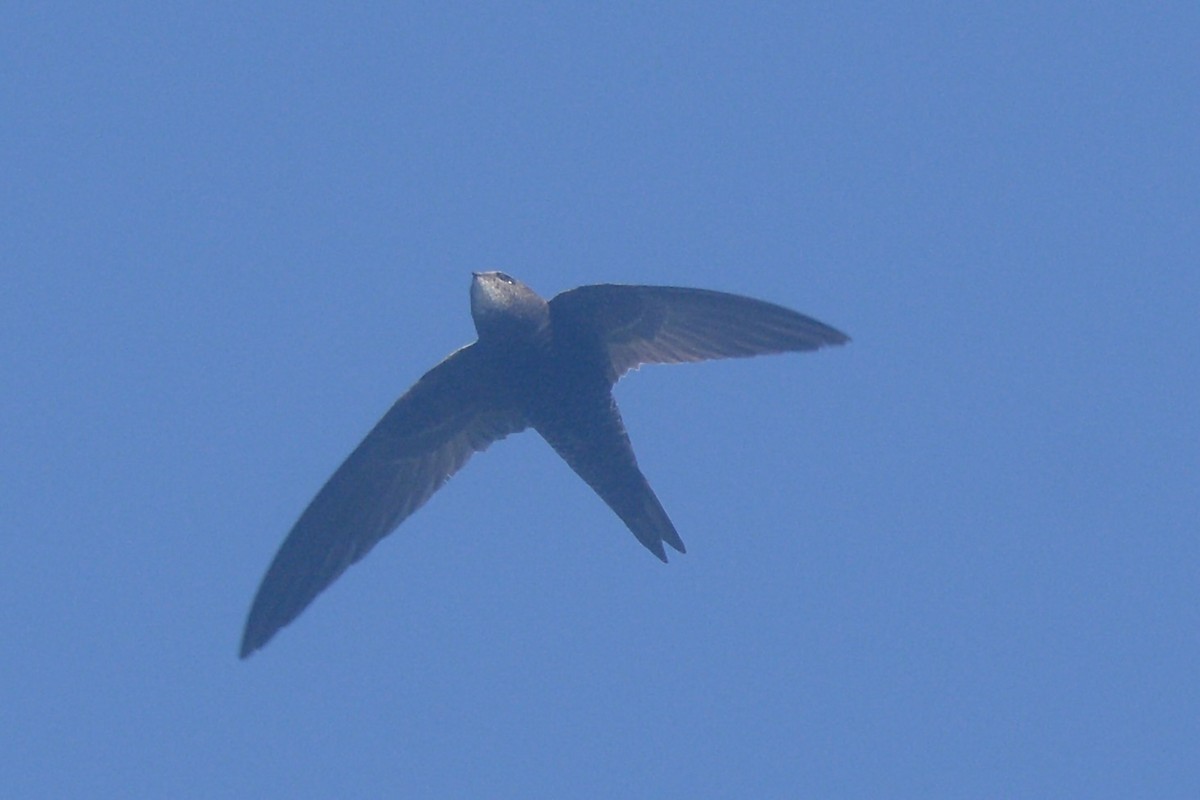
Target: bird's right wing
<point>669,324</point>
<point>427,436</point>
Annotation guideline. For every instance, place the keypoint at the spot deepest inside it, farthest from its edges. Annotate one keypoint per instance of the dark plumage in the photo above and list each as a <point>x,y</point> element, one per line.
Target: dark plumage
<point>550,366</point>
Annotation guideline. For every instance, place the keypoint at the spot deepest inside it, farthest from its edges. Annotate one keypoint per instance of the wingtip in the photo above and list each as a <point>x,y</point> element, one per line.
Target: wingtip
<point>248,647</point>
<point>832,337</point>
<point>254,638</point>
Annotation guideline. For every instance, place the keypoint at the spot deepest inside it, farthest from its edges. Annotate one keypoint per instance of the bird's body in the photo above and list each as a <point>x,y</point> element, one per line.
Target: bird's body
<point>550,366</point>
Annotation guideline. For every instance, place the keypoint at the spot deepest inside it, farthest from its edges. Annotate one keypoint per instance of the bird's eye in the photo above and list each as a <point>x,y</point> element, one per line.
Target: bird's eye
<point>504,277</point>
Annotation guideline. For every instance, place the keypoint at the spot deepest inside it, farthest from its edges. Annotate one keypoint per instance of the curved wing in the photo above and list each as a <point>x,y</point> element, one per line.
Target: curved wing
<point>668,324</point>
<point>452,412</point>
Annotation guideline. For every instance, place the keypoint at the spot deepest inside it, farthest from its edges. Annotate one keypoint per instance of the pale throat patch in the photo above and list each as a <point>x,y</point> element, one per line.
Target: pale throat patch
<point>486,298</point>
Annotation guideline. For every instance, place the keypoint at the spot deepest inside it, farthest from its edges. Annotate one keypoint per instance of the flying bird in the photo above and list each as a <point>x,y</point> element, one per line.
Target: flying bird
<point>544,365</point>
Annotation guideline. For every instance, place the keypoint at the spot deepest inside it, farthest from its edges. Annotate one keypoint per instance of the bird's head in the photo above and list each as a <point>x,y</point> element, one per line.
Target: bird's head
<point>503,306</point>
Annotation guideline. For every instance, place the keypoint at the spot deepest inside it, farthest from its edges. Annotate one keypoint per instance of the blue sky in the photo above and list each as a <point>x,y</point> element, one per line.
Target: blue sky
<point>957,558</point>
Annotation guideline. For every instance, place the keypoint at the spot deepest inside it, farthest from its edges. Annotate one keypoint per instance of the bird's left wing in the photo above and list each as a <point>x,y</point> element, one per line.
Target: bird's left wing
<point>455,410</point>
<point>670,324</point>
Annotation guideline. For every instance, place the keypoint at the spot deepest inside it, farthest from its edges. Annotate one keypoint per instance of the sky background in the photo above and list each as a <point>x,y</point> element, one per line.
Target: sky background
<point>956,558</point>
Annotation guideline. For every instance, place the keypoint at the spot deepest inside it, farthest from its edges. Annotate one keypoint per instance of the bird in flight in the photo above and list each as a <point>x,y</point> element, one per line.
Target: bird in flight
<point>544,365</point>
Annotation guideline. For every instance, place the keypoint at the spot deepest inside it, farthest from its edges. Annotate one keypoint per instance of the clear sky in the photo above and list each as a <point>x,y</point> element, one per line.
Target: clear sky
<point>957,558</point>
